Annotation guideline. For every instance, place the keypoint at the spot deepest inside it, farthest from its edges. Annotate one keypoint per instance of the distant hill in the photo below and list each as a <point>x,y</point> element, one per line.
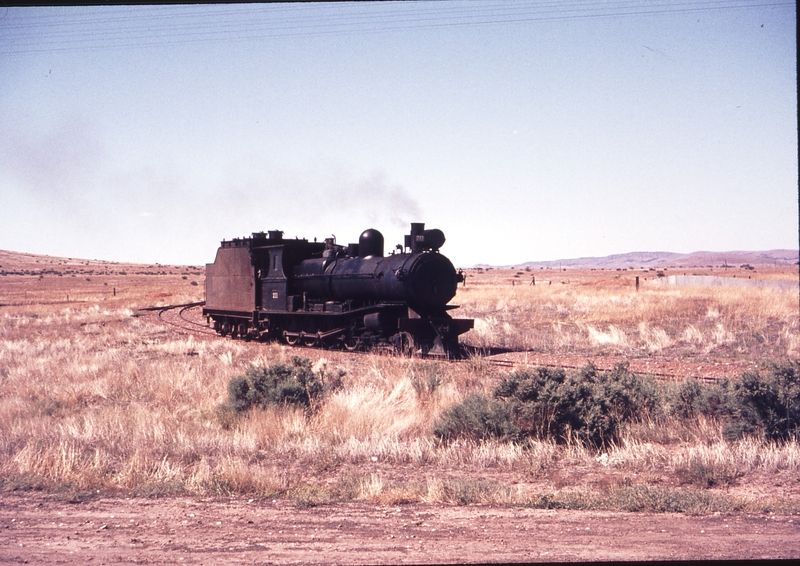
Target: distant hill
<point>16,261</point>
<point>671,259</point>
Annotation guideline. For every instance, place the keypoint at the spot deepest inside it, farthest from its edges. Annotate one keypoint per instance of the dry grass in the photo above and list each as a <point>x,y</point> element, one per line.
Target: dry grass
<point>713,322</point>
<point>94,398</point>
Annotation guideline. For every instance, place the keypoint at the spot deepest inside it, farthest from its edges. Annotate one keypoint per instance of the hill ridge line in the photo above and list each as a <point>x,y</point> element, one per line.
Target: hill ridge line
<point>642,259</point>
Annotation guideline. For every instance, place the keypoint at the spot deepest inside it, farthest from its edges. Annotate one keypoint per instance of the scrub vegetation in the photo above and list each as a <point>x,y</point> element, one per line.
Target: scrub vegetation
<point>591,408</point>
<point>95,396</point>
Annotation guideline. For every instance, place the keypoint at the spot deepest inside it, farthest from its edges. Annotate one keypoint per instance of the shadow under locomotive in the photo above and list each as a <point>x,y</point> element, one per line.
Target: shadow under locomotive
<point>327,295</point>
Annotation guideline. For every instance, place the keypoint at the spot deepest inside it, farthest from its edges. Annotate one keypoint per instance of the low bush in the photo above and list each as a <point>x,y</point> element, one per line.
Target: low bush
<point>590,406</point>
<point>278,384</point>
<point>477,417</point>
<point>585,405</point>
<point>765,403</point>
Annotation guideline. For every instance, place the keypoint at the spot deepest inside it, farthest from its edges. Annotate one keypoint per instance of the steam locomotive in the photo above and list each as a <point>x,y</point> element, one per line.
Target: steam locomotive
<point>327,295</point>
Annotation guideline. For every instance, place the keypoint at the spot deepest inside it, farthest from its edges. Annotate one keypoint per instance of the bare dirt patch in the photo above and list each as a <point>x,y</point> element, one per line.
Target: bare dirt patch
<point>41,529</point>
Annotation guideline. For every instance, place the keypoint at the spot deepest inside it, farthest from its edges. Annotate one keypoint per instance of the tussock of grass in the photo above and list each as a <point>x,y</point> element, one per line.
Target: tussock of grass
<point>658,499</point>
<point>636,498</point>
<point>661,499</point>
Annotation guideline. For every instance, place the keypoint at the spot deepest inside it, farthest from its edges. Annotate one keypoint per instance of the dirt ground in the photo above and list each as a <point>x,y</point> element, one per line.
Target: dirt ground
<point>43,529</point>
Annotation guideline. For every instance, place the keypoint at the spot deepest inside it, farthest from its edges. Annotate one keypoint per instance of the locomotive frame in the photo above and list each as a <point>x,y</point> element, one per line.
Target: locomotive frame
<point>326,295</point>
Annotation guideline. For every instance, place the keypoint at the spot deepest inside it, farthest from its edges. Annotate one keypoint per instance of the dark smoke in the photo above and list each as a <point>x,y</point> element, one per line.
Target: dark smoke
<point>380,200</point>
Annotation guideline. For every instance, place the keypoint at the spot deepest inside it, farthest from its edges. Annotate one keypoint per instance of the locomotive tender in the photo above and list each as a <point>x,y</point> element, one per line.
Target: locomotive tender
<point>326,295</point>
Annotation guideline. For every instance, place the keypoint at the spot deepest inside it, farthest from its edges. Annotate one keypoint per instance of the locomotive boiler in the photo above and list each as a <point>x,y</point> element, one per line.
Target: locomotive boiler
<point>327,295</point>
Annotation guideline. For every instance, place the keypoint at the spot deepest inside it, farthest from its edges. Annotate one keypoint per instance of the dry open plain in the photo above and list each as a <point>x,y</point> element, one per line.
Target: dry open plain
<point>114,445</point>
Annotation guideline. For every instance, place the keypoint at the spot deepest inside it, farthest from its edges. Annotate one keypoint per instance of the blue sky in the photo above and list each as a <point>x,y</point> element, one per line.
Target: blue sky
<point>524,130</point>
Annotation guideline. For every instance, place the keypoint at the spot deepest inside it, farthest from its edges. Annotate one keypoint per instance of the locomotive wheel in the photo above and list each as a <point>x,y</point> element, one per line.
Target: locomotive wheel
<point>351,343</point>
<point>291,340</point>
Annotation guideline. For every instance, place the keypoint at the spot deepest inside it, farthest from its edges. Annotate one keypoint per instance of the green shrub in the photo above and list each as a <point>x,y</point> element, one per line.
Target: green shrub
<point>764,403</point>
<point>476,418</point>
<point>691,398</point>
<point>767,403</point>
<point>279,384</point>
<point>585,405</point>
<point>686,399</point>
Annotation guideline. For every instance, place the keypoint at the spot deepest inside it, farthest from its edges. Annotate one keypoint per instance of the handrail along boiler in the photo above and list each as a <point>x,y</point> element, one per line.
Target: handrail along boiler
<point>323,294</point>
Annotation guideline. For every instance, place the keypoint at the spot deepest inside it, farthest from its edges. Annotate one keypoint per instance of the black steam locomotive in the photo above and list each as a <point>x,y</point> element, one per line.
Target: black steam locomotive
<point>327,295</point>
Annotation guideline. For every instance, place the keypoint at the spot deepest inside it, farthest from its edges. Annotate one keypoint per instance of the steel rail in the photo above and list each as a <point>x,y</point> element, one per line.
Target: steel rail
<point>183,308</point>
<point>659,375</point>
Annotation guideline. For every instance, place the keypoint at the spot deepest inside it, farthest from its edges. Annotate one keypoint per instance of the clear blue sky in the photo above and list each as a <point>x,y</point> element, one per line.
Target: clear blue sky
<point>524,130</point>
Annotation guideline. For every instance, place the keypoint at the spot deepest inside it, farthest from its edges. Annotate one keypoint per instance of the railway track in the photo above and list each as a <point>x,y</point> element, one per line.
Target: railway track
<point>175,315</point>
<point>178,316</point>
<point>663,376</point>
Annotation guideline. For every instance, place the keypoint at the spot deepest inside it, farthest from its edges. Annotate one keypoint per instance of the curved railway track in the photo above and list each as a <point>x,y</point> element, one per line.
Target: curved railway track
<point>178,317</point>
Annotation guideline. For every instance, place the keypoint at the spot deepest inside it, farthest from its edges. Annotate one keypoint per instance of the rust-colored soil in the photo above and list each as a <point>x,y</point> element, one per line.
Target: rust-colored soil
<point>40,529</point>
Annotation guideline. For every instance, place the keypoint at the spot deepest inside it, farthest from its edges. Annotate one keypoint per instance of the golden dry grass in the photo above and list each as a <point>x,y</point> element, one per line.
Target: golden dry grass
<point>700,322</point>
<point>95,398</point>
